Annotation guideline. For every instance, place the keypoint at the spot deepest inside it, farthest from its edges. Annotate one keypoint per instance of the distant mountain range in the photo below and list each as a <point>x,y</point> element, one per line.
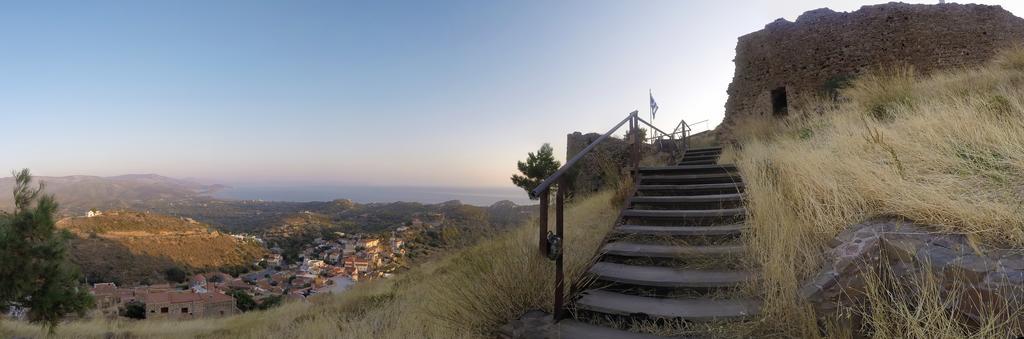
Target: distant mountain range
<point>78,194</point>
<point>184,198</point>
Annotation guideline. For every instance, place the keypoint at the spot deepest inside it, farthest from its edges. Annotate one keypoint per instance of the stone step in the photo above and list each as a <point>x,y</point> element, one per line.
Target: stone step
<point>700,157</point>
<point>698,162</point>
<point>692,178</point>
<point>678,199</point>
<point>571,329</point>
<point>658,276</point>
<point>696,309</point>
<point>677,214</point>
<point>694,187</point>
<point>681,231</point>
<point>705,149</point>
<point>632,249</point>
<point>721,167</point>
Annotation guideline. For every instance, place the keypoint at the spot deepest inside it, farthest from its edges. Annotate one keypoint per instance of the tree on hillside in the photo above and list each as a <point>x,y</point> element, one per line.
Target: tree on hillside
<point>175,274</point>
<point>37,274</point>
<point>536,168</point>
<point>243,300</point>
<point>133,310</point>
<point>270,302</point>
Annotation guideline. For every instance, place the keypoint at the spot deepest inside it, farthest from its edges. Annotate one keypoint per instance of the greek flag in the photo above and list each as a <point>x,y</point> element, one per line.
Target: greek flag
<point>654,106</point>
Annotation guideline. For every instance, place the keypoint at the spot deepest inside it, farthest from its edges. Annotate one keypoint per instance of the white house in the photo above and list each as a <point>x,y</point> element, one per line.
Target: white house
<point>313,266</point>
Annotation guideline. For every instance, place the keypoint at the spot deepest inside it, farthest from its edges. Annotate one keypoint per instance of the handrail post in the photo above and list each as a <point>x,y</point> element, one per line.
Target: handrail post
<point>543,235</point>
<point>559,230</point>
<point>636,145</point>
<point>560,182</point>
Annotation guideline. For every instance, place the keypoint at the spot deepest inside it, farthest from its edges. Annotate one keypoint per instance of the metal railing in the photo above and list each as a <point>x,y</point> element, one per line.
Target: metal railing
<point>552,243</point>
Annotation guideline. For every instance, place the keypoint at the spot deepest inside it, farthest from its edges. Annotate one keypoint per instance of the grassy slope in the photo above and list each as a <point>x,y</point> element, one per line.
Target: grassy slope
<point>947,150</point>
<point>469,293</point>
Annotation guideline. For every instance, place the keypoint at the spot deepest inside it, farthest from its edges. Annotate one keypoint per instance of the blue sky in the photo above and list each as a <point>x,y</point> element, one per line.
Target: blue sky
<point>443,93</point>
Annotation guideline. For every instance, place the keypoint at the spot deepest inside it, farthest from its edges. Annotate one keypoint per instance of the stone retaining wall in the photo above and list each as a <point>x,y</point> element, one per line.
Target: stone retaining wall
<point>609,162</point>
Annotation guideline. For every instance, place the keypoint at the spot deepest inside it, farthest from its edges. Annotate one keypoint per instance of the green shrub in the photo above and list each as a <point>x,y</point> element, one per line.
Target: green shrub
<point>133,310</point>
<point>885,92</point>
<point>175,274</point>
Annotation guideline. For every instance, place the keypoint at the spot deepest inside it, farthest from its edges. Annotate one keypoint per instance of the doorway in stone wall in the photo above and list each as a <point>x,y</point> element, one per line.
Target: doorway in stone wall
<point>780,104</point>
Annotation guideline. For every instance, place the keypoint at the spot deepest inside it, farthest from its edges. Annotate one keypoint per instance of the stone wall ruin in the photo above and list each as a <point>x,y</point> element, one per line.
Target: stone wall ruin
<point>784,65</point>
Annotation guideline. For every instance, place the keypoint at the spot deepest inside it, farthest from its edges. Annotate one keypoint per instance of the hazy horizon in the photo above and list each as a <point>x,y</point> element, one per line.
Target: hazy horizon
<point>354,93</point>
<point>478,196</point>
<point>307,191</point>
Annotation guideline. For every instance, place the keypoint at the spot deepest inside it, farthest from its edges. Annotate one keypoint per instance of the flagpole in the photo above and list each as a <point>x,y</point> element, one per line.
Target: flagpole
<point>650,94</point>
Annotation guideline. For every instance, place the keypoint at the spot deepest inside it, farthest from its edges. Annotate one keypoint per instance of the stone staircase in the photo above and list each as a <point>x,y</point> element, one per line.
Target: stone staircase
<point>674,255</point>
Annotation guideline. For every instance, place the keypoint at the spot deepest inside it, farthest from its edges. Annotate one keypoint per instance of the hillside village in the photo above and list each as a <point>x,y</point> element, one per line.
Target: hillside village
<point>325,265</point>
<point>148,265</point>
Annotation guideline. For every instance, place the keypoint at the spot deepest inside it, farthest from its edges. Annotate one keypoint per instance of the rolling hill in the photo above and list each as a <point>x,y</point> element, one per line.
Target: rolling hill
<point>133,247</point>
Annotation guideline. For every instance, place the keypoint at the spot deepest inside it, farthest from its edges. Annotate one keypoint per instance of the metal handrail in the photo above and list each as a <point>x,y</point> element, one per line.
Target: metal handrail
<point>652,126</point>
<point>682,129</point>
<point>685,129</point>
<point>551,244</point>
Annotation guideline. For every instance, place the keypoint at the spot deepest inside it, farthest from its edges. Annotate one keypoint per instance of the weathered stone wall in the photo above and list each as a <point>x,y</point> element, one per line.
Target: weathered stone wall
<point>600,168</point>
<point>823,47</point>
<point>971,278</point>
<point>608,163</point>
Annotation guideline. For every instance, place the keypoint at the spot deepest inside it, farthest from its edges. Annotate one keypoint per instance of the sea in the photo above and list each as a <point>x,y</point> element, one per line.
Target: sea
<point>482,196</point>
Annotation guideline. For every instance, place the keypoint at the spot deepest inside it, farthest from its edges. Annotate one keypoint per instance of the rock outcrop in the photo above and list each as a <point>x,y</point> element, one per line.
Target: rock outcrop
<point>970,278</point>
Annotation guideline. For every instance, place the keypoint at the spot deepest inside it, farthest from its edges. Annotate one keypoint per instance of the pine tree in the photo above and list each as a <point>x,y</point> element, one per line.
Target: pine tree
<point>536,168</point>
<point>36,274</point>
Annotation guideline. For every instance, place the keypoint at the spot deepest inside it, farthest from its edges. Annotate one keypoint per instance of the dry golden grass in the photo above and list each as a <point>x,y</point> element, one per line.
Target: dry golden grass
<point>946,150</point>
<point>468,294</point>
<point>702,139</point>
<point>917,308</point>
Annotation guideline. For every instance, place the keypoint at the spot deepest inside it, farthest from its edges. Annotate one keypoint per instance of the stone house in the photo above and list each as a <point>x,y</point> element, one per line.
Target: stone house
<point>173,305</point>
<point>357,264</point>
<point>397,246</point>
<point>313,266</point>
<point>368,243</point>
<point>107,298</point>
<point>332,256</point>
<point>216,304</point>
<point>181,305</point>
<point>274,260</point>
<point>198,280</point>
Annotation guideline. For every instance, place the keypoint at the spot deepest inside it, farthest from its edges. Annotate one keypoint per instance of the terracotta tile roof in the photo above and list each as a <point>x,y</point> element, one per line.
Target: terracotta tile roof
<point>172,297</point>
<point>237,283</point>
<point>217,297</point>
<point>104,289</point>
